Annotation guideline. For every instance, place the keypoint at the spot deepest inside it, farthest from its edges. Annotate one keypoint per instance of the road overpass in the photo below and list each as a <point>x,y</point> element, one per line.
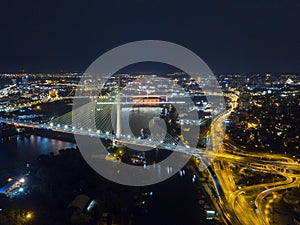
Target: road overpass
<point>231,199</point>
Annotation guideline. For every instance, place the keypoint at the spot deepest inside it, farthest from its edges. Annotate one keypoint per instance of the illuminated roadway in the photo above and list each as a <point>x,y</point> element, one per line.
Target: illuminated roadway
<point>234,206</point>
<point>232,203</point>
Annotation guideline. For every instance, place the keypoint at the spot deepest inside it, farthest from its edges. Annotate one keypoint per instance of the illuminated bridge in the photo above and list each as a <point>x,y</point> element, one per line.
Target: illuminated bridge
<point>106,124</point>
<point>233,207</point>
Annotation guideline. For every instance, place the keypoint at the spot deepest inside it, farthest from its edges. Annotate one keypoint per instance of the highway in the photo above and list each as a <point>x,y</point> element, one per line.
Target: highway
<point>246,205</point>
<point>238,204</point>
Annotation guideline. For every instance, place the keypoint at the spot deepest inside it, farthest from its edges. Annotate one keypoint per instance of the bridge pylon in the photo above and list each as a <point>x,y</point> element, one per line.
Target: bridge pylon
<point>119,122</point>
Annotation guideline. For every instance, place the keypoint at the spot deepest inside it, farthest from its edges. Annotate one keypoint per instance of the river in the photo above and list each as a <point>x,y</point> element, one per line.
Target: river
<point>19,149</point>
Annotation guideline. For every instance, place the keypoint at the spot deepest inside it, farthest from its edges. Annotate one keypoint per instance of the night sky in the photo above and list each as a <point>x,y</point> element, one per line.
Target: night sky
<point>243,36</point>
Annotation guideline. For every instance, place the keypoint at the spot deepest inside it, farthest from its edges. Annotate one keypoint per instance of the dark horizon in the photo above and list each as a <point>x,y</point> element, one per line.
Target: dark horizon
<point>231,37</point>
<point>154,72</point>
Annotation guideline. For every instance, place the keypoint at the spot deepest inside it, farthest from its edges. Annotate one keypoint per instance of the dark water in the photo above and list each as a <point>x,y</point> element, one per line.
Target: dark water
<point>175,201</point>
<point>140,118</point>
<point>18,150</point>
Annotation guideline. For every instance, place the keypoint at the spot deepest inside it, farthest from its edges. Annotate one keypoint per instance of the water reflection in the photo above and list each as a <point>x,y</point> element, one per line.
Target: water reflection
<point>19,149</point>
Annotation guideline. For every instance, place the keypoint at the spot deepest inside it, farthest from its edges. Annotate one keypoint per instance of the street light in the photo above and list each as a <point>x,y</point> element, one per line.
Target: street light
<point>29,215</point>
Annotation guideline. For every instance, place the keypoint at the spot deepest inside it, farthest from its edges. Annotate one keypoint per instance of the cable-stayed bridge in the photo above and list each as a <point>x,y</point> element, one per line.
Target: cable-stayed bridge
<point>102,113</point>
